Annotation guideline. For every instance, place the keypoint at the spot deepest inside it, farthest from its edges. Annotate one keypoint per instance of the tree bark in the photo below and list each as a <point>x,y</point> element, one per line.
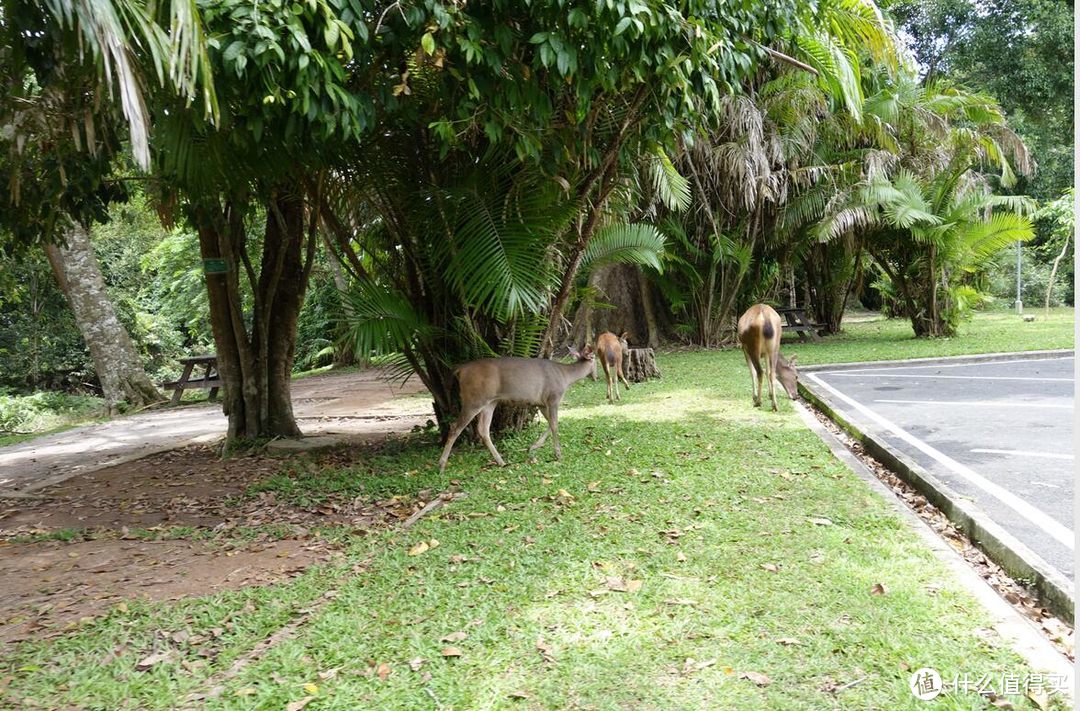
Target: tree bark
<point>256,367</point>
<point>1053,272</point>
<point>344,353</point>
<point>116,361</point>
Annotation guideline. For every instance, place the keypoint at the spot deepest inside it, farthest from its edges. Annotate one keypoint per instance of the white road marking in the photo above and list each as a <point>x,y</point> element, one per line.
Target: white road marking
<point>981,403</point>
<point>885,375</point>
<point>879,369</point>
<point>1025,453</point>
<point>1036,517</point>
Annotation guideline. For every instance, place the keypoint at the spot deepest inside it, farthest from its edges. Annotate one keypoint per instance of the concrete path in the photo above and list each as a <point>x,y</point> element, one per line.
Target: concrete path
<point>348,404</point>
<point>999,433</point>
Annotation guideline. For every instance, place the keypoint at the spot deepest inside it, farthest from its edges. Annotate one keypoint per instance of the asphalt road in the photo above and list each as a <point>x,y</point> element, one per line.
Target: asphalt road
<point>999,433</point>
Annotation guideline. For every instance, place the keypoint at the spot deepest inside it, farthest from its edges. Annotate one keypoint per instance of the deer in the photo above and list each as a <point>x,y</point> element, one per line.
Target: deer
<point>486,382</point>
<point>611,348</point>
<point>759,334</point>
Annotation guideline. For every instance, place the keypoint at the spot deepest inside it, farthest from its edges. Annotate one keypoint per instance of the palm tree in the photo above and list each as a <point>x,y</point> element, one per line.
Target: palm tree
<point>932,236</point>
<point>456,263</point>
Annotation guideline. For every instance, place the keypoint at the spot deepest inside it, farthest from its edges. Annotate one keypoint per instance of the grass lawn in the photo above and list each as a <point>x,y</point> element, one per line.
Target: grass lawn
<point>689,552</point>
<point>892,339</point>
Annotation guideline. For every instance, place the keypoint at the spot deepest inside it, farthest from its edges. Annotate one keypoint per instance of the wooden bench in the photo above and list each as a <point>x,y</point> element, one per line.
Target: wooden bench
<point>209,379</point>
<point>796,321</point>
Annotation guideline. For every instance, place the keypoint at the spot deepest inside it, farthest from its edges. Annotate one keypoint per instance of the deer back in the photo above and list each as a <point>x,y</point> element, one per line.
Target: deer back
<point>609,348</point>
<point>759,330</point>
<point>510,379</point>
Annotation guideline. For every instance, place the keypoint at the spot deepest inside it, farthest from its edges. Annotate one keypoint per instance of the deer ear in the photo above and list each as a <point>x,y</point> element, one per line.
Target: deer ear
<point>791,360</point>
<point>573,351</point>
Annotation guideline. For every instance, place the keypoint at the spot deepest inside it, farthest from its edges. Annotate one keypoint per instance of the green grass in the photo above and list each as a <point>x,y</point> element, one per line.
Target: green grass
<point>683,468</point>
<point>891,339</point>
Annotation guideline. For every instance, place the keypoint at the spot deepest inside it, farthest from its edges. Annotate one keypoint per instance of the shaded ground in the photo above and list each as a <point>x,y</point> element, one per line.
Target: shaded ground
<point>185,522</point>
<point>357,404</point>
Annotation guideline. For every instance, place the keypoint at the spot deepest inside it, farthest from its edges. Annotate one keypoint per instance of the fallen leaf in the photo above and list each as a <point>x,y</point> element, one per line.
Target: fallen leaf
<point>451,652</point>
<point>616,584</point>
<point>311,688</point>
<point>788,641</point>
<point>680,601</point>
<point>246,691</point>
<point>518,695</point>
<point>681,557</point>
<point>419,548</point>
<point>433,544</point>
<point>416,663</point>
<point>328,674</point>
<point>821,521</point>
<point>156,658</point>
<point>1000,702</point>
<point>771,567</point>
<point>545,650</point>
<point>692,665</point>
<point>594,486</point>
<point>756,677</point>
<point>878,589</point>
<point>382,671</point>
<point>299,703</point>
<point>1039,698</point>
<point>633,585</point>
<point>454,637</point>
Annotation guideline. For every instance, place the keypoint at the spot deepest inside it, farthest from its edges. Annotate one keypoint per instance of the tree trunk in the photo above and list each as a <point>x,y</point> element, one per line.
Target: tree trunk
<point>639,364</point>
<point>344,353</point>
<point>256,367</point>
<point>116,362</point>
<point>618,306</point>
<point>652,339</point>
<point>1053,272</point>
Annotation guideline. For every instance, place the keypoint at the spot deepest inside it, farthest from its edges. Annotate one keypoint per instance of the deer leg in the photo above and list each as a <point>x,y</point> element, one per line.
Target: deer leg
<point>547,430</point>
<point>770,362</point>
<point>483,428</point>
<point>553,422</point>
<point>464,418</point>
<point>755,378</point>
<point>622,377</point>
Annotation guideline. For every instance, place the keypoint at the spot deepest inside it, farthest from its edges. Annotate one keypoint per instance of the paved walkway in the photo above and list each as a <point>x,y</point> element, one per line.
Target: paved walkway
<point>350,404</point>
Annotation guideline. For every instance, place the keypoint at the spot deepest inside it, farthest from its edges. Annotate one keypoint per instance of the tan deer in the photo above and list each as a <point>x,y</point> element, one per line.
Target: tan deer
<point>610,348</point>
<point>759,334</point>
<point>537,381</point>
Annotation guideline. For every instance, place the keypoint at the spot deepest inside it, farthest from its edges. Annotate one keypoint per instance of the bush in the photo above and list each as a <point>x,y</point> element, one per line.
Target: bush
<point>45,411</point>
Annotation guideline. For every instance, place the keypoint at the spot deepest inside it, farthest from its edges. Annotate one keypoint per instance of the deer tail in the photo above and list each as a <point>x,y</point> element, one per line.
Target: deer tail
<point>609,353</point>
<point>767,331</point>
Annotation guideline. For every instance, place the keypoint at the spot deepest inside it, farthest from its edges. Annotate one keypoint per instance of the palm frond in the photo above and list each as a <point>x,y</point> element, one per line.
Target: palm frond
<point>380,321</point>
<point>629,243</point>
<point>670,185</point>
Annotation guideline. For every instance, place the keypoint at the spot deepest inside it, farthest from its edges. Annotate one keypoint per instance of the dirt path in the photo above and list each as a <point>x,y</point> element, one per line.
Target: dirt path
<point>349,404</point>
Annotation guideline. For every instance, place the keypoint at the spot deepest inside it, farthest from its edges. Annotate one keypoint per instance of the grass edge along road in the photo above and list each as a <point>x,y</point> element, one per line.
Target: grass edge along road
<point>689,552</point>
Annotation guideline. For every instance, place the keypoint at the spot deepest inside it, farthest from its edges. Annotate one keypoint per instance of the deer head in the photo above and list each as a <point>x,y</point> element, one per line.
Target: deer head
<point>788,376</point>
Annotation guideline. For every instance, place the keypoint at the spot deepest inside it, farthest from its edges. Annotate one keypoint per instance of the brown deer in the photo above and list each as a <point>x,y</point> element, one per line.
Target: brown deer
<point>486,382</point>
<point>610,349</point>
<point>759,334</point>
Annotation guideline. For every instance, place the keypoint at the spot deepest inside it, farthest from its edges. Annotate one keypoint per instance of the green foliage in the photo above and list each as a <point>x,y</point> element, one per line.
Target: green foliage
<point>44,411</point>
<point>1019,51</point>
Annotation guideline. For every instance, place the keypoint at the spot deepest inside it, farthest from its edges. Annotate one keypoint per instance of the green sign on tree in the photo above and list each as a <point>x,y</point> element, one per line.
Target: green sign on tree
<point>214,266</point>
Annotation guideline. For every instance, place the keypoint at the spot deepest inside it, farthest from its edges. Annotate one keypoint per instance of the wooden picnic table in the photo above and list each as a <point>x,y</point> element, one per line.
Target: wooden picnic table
<point>796,321</point>
<point>210,378</point>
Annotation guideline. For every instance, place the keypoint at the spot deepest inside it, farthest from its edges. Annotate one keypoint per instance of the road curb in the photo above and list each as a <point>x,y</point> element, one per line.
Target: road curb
<point>1054,589</point>
<point>979,358</point>
<point>1007,622</point>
